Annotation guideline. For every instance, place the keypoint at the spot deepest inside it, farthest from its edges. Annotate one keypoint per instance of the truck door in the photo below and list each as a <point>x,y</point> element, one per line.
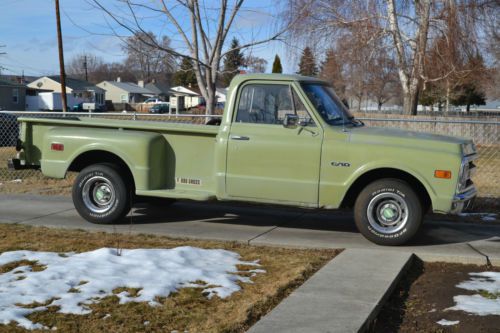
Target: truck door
<point>267,161</point>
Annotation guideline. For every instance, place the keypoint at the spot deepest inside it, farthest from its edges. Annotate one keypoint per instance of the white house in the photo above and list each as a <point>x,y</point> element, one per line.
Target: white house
<point>77,91</point>
<point>125,92</point>
<point>186,98</point>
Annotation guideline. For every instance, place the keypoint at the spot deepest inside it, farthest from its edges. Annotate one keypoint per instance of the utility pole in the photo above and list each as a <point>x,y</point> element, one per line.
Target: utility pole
<point>2,53</point>
<point>61,57</point>
<point>85,66</point>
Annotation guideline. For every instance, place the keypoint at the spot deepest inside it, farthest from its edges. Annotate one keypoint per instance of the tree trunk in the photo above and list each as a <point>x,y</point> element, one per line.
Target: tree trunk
<point>410,102</point>
<point>468,108</point>
<point>447,96</point>
<point>379,106</point>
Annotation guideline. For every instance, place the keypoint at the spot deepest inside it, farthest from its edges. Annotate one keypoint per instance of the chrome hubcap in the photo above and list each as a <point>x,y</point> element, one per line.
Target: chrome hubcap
<point>98,194</point>
<point>387,213</point>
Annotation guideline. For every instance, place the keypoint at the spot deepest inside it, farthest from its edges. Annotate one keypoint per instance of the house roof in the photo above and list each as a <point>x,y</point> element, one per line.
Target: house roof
<point>75,84</point>
<point>187,91</point>
<point>11,84</point>
<point>159,88</point>
<point>128,87</point>
<point>21,79</point>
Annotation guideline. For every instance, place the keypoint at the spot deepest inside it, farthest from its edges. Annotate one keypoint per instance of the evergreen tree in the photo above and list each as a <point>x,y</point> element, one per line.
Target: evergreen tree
<point>331,71</point>
<point>307,64</point>
<point>232,62</point>
<point>277,68</point>
<point>185,76</point>
<point>469,95</point>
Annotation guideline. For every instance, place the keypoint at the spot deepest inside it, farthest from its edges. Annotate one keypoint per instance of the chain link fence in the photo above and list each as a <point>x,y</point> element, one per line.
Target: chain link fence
<point>485,134</point>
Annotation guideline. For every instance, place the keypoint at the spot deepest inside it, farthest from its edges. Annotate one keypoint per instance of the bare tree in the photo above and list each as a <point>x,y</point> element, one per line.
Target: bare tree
<point>148,62</point>
<point>85,66</point>
<point>97,70</point>
<point>202,28</point>
<point>254,64</point>
<point>383,82</point>
<point>402,28</point>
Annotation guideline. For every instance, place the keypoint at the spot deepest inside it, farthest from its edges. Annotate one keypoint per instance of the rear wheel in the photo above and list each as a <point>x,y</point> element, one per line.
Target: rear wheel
<point>101,195</point>
<point>388,212</point>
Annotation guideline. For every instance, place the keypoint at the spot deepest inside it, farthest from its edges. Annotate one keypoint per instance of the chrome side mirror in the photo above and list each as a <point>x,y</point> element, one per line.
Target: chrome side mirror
<point>291,121</point>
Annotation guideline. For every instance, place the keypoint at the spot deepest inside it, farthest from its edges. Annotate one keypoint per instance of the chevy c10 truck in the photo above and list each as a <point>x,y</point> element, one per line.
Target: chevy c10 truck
<point>283,139</point>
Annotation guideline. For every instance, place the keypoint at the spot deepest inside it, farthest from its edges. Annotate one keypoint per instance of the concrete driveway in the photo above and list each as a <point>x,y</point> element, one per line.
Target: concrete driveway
<point>439,240</point>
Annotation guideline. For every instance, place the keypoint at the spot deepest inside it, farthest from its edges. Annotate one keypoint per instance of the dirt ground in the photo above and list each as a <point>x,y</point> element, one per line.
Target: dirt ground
<point>422,296</point>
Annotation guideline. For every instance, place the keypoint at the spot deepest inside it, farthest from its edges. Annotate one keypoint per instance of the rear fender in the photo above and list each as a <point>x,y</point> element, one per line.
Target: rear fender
<point>145,153</point>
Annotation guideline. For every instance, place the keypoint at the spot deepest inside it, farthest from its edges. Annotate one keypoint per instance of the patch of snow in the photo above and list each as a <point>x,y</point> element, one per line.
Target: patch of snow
<point>433,310</point>
<point>156,272</point>
<point>16,181</point>
<point>487,217</point>
<point>106,316</point>
<point>489,281</point>
<point>478,304</point>
<point>444,322</point>
<point>146,323</point>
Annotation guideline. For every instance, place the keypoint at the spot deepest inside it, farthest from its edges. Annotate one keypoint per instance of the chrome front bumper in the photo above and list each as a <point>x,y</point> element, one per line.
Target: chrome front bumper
<point>462,201</point>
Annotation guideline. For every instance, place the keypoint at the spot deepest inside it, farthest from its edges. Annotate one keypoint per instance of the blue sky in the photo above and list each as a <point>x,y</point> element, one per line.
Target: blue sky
<point>30,33</point>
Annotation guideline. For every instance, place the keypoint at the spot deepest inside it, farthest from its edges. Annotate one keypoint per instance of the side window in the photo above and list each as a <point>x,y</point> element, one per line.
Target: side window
<point>301,111</point>
<point>264,104</point>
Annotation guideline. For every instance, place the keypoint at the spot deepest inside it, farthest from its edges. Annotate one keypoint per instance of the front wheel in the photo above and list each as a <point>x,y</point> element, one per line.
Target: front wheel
<point>388,212</point>
<point>101,195</point>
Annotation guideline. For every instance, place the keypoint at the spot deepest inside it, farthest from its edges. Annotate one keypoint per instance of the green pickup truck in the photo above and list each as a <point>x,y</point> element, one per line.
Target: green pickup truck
<point>283,139</point>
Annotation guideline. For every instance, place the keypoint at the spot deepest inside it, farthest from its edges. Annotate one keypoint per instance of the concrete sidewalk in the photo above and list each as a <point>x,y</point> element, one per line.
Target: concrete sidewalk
<point>438,241</point>
<point>341,297</point>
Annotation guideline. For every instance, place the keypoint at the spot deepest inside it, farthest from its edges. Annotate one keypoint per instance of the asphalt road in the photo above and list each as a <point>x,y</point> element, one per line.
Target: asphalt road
<point>440,240</point>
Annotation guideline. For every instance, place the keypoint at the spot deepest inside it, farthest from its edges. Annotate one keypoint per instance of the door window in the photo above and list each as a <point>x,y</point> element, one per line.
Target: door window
<point>264,104</point>
<point>269,104</point>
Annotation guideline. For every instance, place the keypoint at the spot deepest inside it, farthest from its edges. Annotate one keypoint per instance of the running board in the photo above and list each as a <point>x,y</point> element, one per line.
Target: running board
<point>178,194</point>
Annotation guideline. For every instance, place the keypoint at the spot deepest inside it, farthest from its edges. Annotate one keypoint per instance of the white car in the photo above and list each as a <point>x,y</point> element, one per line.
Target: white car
<point>153,100</point>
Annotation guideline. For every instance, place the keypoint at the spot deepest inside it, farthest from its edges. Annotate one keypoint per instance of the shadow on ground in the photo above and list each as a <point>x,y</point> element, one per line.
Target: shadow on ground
<point>434,232</point>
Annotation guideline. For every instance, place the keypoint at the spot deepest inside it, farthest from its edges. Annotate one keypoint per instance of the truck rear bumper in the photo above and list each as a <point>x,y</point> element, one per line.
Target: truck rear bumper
<point>462,201</point>
<point>15,164</point>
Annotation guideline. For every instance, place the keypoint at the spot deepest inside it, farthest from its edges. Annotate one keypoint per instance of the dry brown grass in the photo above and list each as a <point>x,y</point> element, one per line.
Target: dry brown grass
<point>187,310</point>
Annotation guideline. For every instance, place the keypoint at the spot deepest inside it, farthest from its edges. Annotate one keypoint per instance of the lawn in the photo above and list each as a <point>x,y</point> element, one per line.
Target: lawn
<point>188,309</point>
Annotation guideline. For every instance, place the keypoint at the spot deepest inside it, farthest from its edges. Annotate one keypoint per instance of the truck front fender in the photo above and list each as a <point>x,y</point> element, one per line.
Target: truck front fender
<point>144,153</point>
<point>341,191</point>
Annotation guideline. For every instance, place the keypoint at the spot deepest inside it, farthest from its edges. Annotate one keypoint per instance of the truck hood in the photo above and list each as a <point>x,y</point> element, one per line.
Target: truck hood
<point>409,139</point>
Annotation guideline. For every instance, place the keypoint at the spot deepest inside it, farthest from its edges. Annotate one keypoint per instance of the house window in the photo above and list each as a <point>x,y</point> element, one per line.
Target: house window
<point>124,98</point>
<point>15,96</point>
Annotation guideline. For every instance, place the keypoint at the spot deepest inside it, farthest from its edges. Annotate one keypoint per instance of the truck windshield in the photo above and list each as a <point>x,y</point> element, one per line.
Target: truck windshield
<point>328,105</point>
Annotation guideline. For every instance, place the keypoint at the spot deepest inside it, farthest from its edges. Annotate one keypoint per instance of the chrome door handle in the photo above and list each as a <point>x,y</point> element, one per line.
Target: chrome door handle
<point>239,137</point>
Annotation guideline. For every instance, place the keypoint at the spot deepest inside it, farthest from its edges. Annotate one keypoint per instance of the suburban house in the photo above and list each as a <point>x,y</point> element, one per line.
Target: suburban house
<point>12,96</point>
<point>160,89</point>
<point>125,92</point>
<point>49,96</point>
<point>186,98</point>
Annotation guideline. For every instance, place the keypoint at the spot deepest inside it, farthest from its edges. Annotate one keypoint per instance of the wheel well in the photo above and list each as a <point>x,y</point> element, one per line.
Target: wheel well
<point>373,175</point>
<point>102,157</point>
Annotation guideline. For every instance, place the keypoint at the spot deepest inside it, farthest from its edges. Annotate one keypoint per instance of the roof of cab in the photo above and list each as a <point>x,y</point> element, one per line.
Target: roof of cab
<point>272,77</point>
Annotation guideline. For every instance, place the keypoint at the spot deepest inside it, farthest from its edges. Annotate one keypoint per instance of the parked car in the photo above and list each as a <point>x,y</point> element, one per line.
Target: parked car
<point>160,108</point>
<point>9,130</point>
<point>86,107</point>
<point>153,100</point>
<point>283,139</point>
